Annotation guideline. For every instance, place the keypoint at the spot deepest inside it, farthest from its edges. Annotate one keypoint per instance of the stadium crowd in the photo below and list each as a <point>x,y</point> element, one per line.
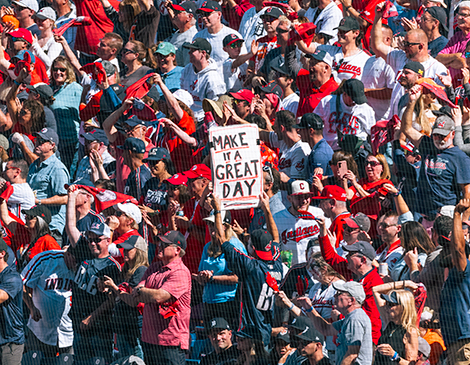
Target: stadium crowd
<point>116,243</point>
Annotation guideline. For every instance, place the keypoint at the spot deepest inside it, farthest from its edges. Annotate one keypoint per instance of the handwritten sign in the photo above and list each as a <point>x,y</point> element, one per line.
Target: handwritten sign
<point>236,165</point>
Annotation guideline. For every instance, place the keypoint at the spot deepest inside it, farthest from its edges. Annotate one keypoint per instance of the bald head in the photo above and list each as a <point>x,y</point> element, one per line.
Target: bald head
<point>418,35</point>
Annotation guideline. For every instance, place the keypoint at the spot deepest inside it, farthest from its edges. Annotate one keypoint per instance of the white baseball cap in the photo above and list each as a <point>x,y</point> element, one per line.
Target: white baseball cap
<point>299,187</point>
<point>131,210</point>
<point>46,13</point>
<point>30,4</point>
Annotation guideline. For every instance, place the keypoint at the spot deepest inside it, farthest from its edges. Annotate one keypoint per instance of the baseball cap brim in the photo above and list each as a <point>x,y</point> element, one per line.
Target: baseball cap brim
<point>264,255</point>
<point>360,99</point>
<point>389,298</point>
<point>442,132</point>
<point>190,45</point>
<point>234,41</point>
<point>125,245</point>
<point>350,223</point>
<point>177,7</point>
<point>303,193</point>
<point>315,57</point>
<point>181,179</point>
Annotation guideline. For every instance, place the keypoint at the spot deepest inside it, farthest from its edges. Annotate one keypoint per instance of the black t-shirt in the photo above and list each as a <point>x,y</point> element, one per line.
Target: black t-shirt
<point>229,356</point>
<point>155,196</point>
<point>86,296</point>
<point>441,173</point>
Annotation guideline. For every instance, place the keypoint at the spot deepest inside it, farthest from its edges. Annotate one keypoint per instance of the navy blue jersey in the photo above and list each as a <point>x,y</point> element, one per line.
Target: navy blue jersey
<point>256,297</point>
<point>86,296</point>
<point>11,310</point>
<point>136,181</point>
<point>84,224</point>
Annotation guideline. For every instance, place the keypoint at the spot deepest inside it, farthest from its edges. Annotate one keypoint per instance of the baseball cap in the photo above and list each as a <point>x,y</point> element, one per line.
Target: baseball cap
<point>134,241</point>
<point>226,216</point>
<point>332,192</point>
<point>100,229</point>
<point>134,121</point>
<point>347,24</point>
<point>440,14</point>
<point>97,135</point>
<point>48,134</point>
<point>39,211</point>
<point>250,331</point>
<point>21,55</point>
<point>359,220</point>
<point>415,67</point>
<point>362,247</point>
<point>262,242</point>
<point>281,69</point>
<point>157,154</point>
<point>230,39</point>
<point>200,44</point>
<point>243,94</point>
<point>322,56</point>
<point>218,323</point>
<point>354,88</point>
<point>300,323</point>
<point>188,6</point>
<point>46,13</point>
<point>129,209</point>
<point>424,347</point>
<point>299,187</point>
<point>311,120</point>
<point>273,88</point>
<point>272,11</point>
<point>209,7</point>
<point>44,90</point>
<point>391,297</point>
<point>443,125</point>
<point>353,288</point>
<point>199,170</point>
<point>3,245</point>
<point>443,110</point>
<point>4,142</point>
<point>178,179</point>
<point>22,33</point>
<point>30,4</point>
<point>165,48</point>
<point>133,144</point>
<point>184,96</point>
<point>173,238</point>
<point>108,68</point>
<point>310,334</point>
<point>283,336</point>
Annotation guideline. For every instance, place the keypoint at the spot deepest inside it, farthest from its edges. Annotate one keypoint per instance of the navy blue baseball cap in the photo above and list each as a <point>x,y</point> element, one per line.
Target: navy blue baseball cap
<point>49,135</point>
<point>157,154</point>
<point>97,135</point>
<point>250,331</point>
<point>133,144</point>
<point>134,121</point>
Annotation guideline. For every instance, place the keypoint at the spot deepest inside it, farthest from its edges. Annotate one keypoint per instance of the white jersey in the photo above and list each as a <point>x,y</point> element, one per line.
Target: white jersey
<point>327,21</point>
<point>178,39</point>
<point>234,80</point>
<point>291,103</point>
<point>295,233</point>
<point>351,67</point>
<point>51,282</point>
<point>293,160</point>
<point>323,300</point>
<point>356,120</point>
<point>251,26</point>
<point>377,75</point>
<point>22,198</point>
<point>207,83</point>
<point>390,258</point>
<point>216,41</point>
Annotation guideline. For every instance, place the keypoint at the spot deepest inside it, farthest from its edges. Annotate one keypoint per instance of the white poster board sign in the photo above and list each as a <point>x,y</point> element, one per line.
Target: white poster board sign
<point>236,165</point>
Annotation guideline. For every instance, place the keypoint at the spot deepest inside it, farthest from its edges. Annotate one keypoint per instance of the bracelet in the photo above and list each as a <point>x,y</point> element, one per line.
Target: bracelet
<point>16,82</point>
<point>310,310</point>
<point>292,306</point>
<point>404,285</point>
<point>39,202</point>
<point>217,212</point>
<point>397,194</point>
<point>394,357</point>
<point>347,7</point>
<point>211,279</point>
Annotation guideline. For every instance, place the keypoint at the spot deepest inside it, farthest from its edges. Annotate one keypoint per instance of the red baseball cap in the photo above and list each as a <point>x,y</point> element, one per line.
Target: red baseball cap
<point>243,94</point>
<point>199,170</point>
<point>178,179</point>
<point>333,192</point>
<point>22,33</point>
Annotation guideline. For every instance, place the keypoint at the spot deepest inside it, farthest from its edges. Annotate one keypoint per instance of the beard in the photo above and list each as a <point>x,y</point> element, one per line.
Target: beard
<point>442,145</point>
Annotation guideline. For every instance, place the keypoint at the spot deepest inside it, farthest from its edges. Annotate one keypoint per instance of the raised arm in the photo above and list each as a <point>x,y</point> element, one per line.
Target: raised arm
<point>71,216</point>
<point>376,38</point>
<point>270,224</point>
<point>407,118</point>
<point>69,54</point>
<point>108,124</point>
<point>171,101</point>
<point>457,242</point>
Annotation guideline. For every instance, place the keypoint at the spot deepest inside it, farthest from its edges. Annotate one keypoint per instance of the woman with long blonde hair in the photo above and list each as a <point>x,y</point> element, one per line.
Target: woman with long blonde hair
<point>396,305</point>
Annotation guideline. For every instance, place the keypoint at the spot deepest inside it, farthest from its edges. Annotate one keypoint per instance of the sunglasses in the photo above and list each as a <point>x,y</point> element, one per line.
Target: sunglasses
<point>23,112</point>
<point>61,69</point>
<point>269,171</point>
<point>372,163</point>
<point>409,44</point>
<point>17,39</point>
<point>236,45</point>
<point>390,304</point>
<point>349,229</point>
<point>95,239</point>
<point>282,31</point>
<point>118,213</point>
<point>40,141</point>
<point>269,19</point>
<point>29,217</point>
<point>385,225</point>
<point>126,51</point>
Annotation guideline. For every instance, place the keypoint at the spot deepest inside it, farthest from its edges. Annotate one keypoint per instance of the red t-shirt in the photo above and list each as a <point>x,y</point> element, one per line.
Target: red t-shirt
<point>45,243</point>
<point>180,151</point>
<point>337,227</point>
<point>309,95</point>
<point>89,36</point>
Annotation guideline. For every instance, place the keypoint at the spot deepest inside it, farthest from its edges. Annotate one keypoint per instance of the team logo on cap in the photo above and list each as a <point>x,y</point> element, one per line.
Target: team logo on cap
<point>269,10</point>
<point>421,72</point>
<point>175,176</point>
<point>305,330</point>
<point>44,130</point>
<point>441,124</point>
<point>342,22</point>
<point>213,323</point>
<point>283,332</point>
<point>294,320</point>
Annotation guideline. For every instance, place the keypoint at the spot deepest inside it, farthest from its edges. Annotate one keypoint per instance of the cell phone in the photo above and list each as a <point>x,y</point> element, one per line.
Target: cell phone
<point>342,168</point>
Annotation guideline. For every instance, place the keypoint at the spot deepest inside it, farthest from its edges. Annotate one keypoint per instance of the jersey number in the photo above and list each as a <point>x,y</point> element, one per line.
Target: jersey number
<point>265,299</point>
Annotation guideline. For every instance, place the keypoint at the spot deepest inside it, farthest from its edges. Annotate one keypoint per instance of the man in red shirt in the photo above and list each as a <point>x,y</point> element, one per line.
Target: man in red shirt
<point>166,291</point>
<point>316,83</point>
<point>333,205</point>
